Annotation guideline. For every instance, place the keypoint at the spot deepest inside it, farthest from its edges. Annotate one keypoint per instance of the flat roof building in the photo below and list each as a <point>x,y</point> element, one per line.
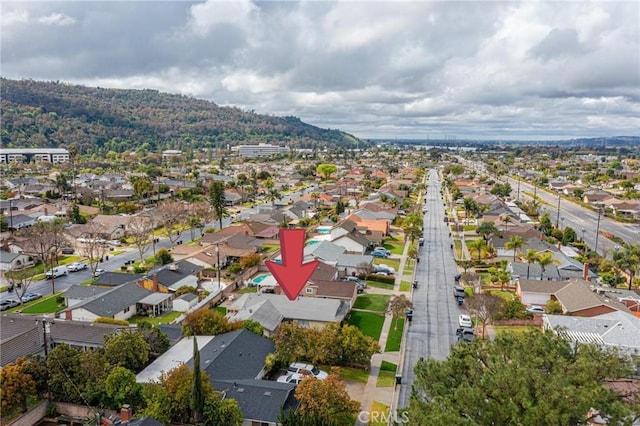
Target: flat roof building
<point>27,155</point>
<point>260,150</point>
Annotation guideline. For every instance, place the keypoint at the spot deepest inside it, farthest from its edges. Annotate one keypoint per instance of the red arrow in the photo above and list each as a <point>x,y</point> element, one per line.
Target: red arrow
<point>292,275</point>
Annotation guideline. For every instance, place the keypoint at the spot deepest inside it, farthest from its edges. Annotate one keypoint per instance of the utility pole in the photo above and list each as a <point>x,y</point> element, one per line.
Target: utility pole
<point>597,230</point>
<point>558,215</point>
<point>218,266</point>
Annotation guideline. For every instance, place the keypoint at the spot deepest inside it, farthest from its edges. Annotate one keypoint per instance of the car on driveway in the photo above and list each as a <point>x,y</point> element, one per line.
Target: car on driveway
<point>379,254</point>
<point>99,272</point>
<point>76,266</point>
<point>303,368</point>
<point>28,297</point>
<point>535,309</point>
<point>383,250</point>
<point>464,321</point>
<point>294,378</point>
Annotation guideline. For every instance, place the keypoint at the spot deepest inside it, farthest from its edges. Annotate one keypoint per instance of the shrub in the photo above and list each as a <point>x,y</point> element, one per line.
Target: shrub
<point>163,257</point>
<point>106,320</point>
<point>234,268</point>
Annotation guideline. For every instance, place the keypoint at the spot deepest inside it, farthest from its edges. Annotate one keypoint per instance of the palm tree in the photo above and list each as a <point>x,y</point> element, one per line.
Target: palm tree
<point>515,243</point>
<point>530,256</point>
<point>506,221</point>
<point>478,244</point>
<point>545,259</point>
<point>628,259</point>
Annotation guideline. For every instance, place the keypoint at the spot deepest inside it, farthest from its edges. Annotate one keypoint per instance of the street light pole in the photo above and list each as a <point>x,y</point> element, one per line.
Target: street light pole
<point>558,215</point>
<point>597,230</point>
<point>218,266</point>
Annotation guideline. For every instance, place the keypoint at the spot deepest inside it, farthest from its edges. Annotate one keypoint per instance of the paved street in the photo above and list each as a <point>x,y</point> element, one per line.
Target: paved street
<point>435,313</point>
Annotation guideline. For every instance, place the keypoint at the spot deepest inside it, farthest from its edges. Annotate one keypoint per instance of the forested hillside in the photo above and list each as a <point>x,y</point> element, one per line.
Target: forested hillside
<point>52,114</point>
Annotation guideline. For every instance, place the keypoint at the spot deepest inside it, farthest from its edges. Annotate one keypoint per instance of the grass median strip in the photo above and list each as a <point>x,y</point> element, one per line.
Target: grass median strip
<point>394,338</point>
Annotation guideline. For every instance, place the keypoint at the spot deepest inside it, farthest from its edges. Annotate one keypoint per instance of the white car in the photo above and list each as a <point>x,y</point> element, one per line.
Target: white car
<point>534,309</point>
<point>294,378</point>
<point>98,272</point>
<point>76,266</point>
<point>465,321</point>
<point>307,369</point>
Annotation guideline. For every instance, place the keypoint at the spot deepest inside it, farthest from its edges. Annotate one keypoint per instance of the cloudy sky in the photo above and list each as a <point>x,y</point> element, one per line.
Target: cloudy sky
<point>377,69</point>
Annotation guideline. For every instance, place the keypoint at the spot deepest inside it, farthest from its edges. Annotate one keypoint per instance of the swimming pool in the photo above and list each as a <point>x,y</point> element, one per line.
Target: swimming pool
<point>323,229</point>
<point>260,278</point>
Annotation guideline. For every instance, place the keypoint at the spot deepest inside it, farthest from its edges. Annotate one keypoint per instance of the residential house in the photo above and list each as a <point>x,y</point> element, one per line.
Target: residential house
<point>77,294</point>
<point>14,261</point>
<point>630,298</point>
<point>119,303</point>
<point>306,311</point>
<point>172,277</point>
<point>185,302</point>
<point>339,290</point>
<point>536,292</point>
<point>335,255</point>
<point>20,221</point>
<point>577,298</point>
<point>612,330</point>
<point>235,364</point>
<point>532,271</point>
<point>114,279</point>
<point>347,235</point>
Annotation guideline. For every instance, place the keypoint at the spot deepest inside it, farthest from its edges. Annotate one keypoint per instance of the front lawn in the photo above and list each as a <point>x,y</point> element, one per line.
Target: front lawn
<point>164,319</point>
<point>386,379</point>
<point>221,309</point>
<point>379,414</point>
<point>394,248</point>
<point>372,302</point>
<point>349,373</point>
<point>377,284</point>
<point>370,324</point>
<point>46,305</point>
<point>394,263</point>
<point>405,285</point>
<point>395,336</point>
<point>504,329</point>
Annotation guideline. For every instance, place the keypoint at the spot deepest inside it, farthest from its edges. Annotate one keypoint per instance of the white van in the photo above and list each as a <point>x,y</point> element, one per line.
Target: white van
<point>56,272</point>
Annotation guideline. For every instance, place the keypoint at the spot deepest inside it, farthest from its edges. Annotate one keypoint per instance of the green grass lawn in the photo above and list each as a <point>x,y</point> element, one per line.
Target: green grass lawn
<point>243,290</point>
<point>506,295</point>
<point>394,263</point>
<point>372,302</point>
<point>394,248</point>
<point>386,379</point>
<point>395,336</point>
<point>164,319</point>
<point>503,329</point>
<point>405,285</point>
<point>388,366</point>
<point>348,373</point>
<point>270,248</point>
<point>370,324</point>
<point>376,284</point>
<point>379,414</point>
<point>46,305</point>
<point>221,309</point>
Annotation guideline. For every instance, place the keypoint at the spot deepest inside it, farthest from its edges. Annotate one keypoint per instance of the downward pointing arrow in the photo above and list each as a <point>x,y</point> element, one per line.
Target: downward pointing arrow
<point>292,275</point>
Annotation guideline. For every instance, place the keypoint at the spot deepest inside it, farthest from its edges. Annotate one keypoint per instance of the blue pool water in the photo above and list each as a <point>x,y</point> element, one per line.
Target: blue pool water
<point>260,278</point>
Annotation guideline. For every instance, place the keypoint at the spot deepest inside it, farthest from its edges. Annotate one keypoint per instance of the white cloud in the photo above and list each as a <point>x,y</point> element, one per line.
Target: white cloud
<point>57,19</point>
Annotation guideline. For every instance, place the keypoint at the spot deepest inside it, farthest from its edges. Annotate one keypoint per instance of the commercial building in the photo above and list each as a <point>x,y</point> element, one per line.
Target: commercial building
<point>27,155</point>
<point>260,150</point>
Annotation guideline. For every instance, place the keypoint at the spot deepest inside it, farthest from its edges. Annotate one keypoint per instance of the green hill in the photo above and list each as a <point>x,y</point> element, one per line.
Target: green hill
<point>53,114</point>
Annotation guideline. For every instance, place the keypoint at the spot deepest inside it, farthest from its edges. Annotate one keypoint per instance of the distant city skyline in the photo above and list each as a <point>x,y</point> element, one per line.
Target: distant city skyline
<point>482,70</point>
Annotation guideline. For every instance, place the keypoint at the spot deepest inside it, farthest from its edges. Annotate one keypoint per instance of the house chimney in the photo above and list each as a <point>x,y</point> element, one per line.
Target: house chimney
<point>155,282</point>
<point>46,212</point>
<point>5,245</point>
<point>126,413</point>
<point>585,272</point>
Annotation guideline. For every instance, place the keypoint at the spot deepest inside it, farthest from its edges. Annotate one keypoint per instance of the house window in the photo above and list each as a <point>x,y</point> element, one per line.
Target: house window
<point>127,309</point>
<point>309,291</point>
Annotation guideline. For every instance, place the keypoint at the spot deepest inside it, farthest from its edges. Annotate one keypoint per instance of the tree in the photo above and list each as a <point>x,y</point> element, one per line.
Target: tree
<point>499,273</point>
<point>477,244</point>
<point>628,259</point>
<point>44,240</point>
<point>197,393</point>
<point>173,217</point>
<point>501,190</point>
<point>326,399</point>
<point>484,307</point>
<point>140,232</point>
<point>530,256</point>
<point>127,349</point>
<point>221,411</point>
<point>487,230</point>
<point>515,243</point>
<point>20,280</point>
<point>326,170</point>
<point>253,326</point>
<point>75,216</point>
<point>16,387</point>
<point>93,245</point>
<point>163,257</point>
<point>568,235</point>
<point>470,206</point>
<point>545,259</point>
<point>64,380</point>
<point>92,371</point>
<point>398,306</point>
<point>518,378</point>
<point>506,219</point>
<point>121,388</point>
<point>142,186</point>
<point>207,322</point>
<point>157,340</point>
<point>545,224</point>
<point>218,201</point>
<point>412,226</point>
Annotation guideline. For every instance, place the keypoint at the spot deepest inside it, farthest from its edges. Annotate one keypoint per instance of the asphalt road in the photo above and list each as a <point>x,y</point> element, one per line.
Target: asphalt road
<point>435,313</point>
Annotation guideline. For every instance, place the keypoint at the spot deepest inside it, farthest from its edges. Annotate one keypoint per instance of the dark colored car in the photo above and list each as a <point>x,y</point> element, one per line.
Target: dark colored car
<point>465,334</point>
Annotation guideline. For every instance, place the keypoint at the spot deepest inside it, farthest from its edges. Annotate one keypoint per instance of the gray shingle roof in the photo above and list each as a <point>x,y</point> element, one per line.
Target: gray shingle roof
<point>116,278</point>
<point>259,400</point>
<point>264,312</point>
<point>84,291</point>
<point>115,300</point>
<point>303,308</point>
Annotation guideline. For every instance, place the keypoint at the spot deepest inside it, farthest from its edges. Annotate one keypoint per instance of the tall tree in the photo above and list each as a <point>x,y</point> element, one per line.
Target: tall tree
<point>17,386</point>
<point>477,244</point>
<point>93,244</point>
<point>412,226</point>
<point>545,259</point>
<point>326,399</point>
<point>484,307</point>
<point>197,393</point>
<point>628,259</point>
<point>44,240</point>
<point>487,230</point>
<point>515,243</point>
<point>519,378</point>
<point>218,201</point>
<point>326,170</point>
<point>140,232</point>
<point>173,217</point>
<point>127,349</point>
<point>530,256</point>
<point>398,305</point>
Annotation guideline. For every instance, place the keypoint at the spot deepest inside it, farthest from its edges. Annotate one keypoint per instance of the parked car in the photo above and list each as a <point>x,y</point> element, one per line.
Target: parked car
<point>382,267</point>
<point>458,291</point>
<point>8,304</point>
<point>421,241</point>
<point>77,266</point>
<point>382,249</point>
<point>465,321</point>
<point>379,254</point>
<point>302,368</point>
<point>294,378</point>
<point>99,272</point>
<point>465,334</point>
<point>28,297</point>
<point>67,250</point>
<point>56,272</point>
<point>535,309</point>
